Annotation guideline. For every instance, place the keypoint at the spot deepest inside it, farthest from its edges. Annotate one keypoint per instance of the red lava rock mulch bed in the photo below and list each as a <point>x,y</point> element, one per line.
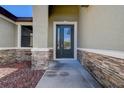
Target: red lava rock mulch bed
<point>19,75</point>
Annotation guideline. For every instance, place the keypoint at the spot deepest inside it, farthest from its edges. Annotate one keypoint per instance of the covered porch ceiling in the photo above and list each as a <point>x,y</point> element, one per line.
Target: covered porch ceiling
<point>51,7</point>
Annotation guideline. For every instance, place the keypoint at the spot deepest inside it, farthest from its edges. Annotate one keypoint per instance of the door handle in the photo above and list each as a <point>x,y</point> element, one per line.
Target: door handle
<point>62,45</point>
<point>61,49</point>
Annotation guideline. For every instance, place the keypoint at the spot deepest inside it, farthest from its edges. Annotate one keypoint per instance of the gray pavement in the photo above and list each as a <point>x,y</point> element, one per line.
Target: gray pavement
<point>67,74</point>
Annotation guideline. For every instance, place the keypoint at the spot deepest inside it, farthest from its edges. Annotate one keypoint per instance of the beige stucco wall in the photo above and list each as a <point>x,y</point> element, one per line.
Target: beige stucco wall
<point>7,33</point>
<point>101,27</point>
<point>16,35</point>
<point>61,13</point>
<point>40,26</point>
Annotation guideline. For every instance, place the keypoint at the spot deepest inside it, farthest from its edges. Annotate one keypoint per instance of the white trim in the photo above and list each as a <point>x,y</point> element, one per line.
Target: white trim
<point>16,23</point>
<point>7,19</point>
<point>80,49</point>
<point>7,48</point>
<point>75,37</point>
<point>19,36</point>
<point>24,23</point>
<point>41,49</point>
<point>19,26</point>
<point>32,49</point>
<point>112,53</point>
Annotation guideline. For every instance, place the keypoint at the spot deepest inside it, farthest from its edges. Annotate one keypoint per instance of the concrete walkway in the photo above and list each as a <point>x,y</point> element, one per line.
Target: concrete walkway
<point>67,74</point>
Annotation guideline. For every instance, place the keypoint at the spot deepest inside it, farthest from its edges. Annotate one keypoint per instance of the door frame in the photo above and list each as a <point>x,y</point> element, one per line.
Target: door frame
<point>54,38</point>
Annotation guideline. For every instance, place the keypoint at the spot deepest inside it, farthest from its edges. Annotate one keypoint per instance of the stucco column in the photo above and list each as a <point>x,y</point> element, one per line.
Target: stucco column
<point>40,53</point>
<point>40,26</point>
<point>80,26</point>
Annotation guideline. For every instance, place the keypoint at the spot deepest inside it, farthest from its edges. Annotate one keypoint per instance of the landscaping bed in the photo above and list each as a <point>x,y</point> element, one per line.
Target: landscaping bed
<point>19,75</point>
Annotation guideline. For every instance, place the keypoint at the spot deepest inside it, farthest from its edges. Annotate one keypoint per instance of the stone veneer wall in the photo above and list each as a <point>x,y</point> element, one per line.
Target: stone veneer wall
<point>23,55</point>
<point>7,56</point>
<point>109,71</point>
<point>39,59</point>
<point>14,55</point>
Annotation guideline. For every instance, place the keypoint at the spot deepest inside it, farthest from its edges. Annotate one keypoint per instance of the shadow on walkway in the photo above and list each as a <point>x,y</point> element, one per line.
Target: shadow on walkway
<point>67,74</point>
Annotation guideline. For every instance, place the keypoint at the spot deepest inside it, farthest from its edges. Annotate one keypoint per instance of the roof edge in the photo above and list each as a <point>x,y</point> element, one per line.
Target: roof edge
<point>13,17</point>
<point>24,19</point>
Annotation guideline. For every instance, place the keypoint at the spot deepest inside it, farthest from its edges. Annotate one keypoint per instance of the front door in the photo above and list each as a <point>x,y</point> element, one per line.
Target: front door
<point>64,41</point>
